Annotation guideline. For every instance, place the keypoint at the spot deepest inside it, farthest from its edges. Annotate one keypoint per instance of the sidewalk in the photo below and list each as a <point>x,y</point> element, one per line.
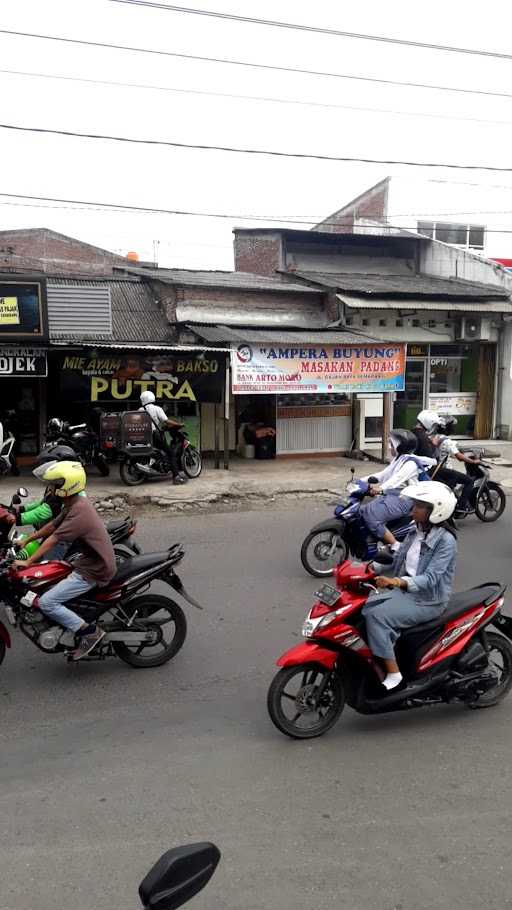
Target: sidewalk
<point>251,480</point>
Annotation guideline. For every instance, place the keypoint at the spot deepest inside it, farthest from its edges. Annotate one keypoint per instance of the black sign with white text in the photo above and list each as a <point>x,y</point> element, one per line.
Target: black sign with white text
<point>25,362</point>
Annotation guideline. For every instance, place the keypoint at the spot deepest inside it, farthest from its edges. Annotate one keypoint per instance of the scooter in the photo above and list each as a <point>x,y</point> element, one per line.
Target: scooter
<point>452,658</point>
<point>142,628</point>
<point>330,542</point>
<point>79,437</point>
<point>7,458</point>
<point>488,498</point>
<point>135,468</point>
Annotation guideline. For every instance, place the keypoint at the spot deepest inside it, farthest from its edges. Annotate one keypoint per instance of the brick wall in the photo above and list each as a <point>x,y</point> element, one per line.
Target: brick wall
<point>261,254</point>
<point>52,253</point>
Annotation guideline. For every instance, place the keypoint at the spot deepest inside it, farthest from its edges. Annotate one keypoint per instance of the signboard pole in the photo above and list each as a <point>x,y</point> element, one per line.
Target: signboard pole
<point>387,417</point>
<point>217,436</point>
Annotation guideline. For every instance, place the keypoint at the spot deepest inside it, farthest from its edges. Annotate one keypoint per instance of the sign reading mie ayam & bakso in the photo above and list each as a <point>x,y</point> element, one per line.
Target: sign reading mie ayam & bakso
<point>317,368</point>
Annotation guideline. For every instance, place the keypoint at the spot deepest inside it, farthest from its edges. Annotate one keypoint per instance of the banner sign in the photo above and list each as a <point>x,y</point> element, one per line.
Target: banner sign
<point>453,403</point>
<point>9,311</point>
<point>181,376</point>
<point>328,369</point>
<point>27,362</point>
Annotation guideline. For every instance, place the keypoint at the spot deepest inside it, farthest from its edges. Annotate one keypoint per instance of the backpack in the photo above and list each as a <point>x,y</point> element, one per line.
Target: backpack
<point>423,474</point>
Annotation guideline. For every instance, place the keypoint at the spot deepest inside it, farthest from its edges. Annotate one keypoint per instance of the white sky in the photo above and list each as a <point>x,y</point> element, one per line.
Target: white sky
<point>217,182</point>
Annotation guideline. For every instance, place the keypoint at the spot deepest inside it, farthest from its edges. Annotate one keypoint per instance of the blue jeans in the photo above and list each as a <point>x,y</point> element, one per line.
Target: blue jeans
<point>387,614</point>
<point>52,602</point>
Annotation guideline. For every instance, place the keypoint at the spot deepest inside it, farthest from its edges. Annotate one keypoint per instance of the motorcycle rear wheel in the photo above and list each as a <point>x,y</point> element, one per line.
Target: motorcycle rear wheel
<point>315,553</point>
<point>154,612</point>
<point>102,465</point>
<point>129,473</point>
<point>192,462</point>
<point>2,650</point>
<point>497,644</point>
<point>490,503</point>
<point>301,701</point>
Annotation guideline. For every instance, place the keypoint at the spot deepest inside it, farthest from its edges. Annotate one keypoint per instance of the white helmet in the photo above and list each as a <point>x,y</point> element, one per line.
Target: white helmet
<point>429,420</point>
<point>435,494</point>
<point>147,398</point>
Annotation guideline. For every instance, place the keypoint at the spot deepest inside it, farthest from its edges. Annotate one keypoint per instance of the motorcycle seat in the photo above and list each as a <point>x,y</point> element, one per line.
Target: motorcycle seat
<point>116,524</point>
<point>133,565</point>
<point>461,602</point>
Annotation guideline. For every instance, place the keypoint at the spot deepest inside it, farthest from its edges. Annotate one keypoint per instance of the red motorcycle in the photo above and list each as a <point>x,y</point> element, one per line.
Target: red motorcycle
<point>142,628</point>
<point>452,658</point>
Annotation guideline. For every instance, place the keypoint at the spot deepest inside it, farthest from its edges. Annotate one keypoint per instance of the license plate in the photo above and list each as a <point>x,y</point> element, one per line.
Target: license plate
<point>328,595</point>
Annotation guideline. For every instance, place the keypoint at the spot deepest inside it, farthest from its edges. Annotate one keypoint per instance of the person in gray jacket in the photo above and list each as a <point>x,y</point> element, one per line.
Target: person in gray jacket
<point>420,579</point>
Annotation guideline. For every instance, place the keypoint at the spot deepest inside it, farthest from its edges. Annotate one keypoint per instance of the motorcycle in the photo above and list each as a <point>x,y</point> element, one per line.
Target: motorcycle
<point>135,468</point>
<point>488,498</point>
<point>8,463</point>
<point>79,437</point>
<point>120,531</point>
<point>178,876</point>
<point>330,542</point>
<point>134,619</point>
<point>452,658</point>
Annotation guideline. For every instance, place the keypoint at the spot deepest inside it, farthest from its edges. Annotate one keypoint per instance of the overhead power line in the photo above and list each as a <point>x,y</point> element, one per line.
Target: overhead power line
<point>258,66</point>
<point>265,98</point>
<point>316,29</point>
<point>230,216</point>
<point>309,156</point>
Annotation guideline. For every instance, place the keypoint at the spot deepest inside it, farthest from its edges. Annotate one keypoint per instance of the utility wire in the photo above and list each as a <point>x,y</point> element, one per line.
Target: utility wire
<point>319,30</point>
<point>259,66</point>
<point>249,151</point>
<point>231,216</point>
<point>265,98</point>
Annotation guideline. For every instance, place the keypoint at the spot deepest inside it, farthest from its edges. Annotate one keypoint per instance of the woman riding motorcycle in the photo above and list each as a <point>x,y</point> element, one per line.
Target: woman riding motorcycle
<point>387,504</point>
<point>421,576</point>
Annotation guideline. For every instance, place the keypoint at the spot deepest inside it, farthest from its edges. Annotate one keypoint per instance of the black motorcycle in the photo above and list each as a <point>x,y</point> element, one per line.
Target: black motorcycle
<point>140,463</point>
<point>488,498</point>
<point>79,437</point>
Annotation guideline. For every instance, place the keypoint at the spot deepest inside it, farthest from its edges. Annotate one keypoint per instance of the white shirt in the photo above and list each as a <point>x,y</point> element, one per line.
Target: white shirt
<point>413,555</point>
<point>446,447</point>
<point>157,414</point>
<point>402,471</point>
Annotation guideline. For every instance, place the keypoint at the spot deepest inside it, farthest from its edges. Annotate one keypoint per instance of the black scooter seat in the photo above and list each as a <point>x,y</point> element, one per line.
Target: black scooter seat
<point>458,604</point>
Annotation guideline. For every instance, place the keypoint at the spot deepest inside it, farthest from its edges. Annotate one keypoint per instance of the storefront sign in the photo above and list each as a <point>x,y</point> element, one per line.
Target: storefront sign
<point>456,403</point>
<point>21,310</point>
<point>27,362</point>
<point>114,378</point>
<point>326,369</point>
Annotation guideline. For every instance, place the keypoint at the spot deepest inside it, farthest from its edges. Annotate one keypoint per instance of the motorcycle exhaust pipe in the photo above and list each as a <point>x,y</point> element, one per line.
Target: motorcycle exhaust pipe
<point>145,469</point>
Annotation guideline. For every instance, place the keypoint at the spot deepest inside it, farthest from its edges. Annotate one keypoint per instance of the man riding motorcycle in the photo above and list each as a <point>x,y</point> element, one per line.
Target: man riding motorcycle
<point>420,578</point>
<point>96,565</point>
<point>387,504</point>
<point>162,424</point>
<point>426,422</point>
<point>445,449</point>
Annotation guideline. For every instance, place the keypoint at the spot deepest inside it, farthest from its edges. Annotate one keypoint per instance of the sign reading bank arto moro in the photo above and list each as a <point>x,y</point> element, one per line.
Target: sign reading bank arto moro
<point>171,376</point>
<point>327,368</point>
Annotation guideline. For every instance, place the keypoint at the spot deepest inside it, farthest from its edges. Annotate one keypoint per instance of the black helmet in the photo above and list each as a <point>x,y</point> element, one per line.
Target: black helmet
<point>404,441</point>
<point>56,453</point>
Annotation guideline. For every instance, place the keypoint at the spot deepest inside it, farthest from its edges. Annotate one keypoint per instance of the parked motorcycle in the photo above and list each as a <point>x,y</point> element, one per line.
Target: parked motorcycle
<point>452,658</point>
<point>488,498</point>
<point>330,542</point>
<point>142,628</point>
<point>79,437</point>
<point>178,876</point>
<point>8,464</point>
<point>121,531</point>
<point>135,468</point>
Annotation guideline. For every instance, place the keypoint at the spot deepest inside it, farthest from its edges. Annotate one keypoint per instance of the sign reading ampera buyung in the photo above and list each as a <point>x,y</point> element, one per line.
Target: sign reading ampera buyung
<point>318,368</point>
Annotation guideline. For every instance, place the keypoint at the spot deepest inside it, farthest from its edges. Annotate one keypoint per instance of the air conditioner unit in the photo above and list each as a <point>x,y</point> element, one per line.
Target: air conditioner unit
<point>474,328</point>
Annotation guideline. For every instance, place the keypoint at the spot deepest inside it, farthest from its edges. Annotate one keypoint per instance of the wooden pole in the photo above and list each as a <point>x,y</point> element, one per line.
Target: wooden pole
<point>217,436</point>
<point>226,417</point>
<point>387,412</point>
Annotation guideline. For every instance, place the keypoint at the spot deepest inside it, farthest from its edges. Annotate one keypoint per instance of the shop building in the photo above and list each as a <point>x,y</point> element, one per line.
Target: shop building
<point>403,289</point>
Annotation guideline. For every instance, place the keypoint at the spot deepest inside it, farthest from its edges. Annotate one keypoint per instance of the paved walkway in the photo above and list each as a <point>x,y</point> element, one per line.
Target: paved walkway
<point>249,479</point>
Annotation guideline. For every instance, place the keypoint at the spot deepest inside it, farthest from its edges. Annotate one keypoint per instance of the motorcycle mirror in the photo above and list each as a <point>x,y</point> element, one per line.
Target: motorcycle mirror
<point>22,491</point>
<point>178,876</point>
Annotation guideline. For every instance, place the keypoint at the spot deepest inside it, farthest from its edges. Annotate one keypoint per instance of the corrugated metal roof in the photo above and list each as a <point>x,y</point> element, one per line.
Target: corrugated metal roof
<point>281,314</point>
<point>224,333</point>
<point>453,306</point>
<point>404,285</point>
<point>133,346</point>
<point>136,314</point>
<point>237,280</point>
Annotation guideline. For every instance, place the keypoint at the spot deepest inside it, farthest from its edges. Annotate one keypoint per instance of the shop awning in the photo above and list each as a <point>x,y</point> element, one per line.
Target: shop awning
<point>360,302</point>
<point>240,334</point>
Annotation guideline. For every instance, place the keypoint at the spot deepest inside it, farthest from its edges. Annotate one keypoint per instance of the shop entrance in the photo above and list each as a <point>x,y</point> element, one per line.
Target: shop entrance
<point>411,401</point>
<point>22,396</point>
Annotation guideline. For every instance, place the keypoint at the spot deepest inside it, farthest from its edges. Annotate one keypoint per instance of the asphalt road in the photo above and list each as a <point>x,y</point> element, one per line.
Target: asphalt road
<point>104,767</point>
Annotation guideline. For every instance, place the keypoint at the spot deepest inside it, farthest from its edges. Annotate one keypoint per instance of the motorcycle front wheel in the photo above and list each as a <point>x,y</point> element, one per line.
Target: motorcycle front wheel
<point>129,473</point>
<point>192,462</point>
<point>293,703</point>
<point>102,465</point>
<point>321,552</point>
<point>490,502</point>
<point>162,616</point>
